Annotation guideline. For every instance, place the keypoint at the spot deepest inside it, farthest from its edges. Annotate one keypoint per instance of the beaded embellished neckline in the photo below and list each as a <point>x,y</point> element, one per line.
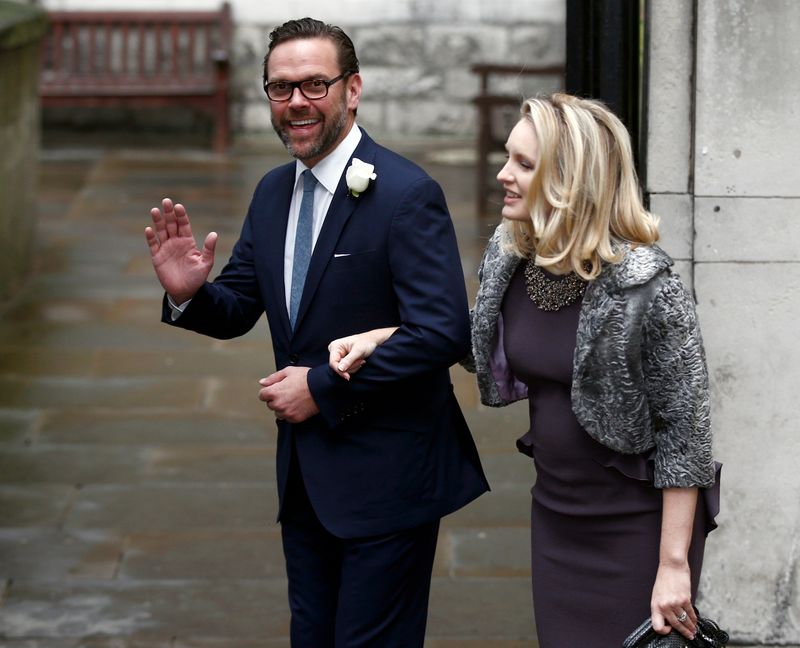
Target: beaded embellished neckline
<point>552,294</point>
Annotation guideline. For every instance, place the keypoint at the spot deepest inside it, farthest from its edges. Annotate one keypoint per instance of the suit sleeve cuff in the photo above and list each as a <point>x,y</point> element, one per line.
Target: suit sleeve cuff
<point>329,391</point>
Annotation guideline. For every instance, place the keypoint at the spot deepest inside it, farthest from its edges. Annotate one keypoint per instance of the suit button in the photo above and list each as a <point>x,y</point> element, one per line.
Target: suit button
<point>294,359</point>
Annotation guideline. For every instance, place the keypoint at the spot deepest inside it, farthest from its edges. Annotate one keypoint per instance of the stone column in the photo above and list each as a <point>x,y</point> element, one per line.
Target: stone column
<point>723,173</point>
<point>21,30</point>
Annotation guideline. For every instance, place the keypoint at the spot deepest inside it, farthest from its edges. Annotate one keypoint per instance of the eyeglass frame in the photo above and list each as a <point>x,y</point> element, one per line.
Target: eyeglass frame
<point>297,85</point>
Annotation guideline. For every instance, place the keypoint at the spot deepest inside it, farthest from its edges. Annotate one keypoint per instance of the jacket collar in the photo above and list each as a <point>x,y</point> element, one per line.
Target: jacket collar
<point>639,265</point>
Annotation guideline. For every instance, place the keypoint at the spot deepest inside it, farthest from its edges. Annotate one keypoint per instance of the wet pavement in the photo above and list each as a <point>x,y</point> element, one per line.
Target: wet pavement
<point>137,491</point>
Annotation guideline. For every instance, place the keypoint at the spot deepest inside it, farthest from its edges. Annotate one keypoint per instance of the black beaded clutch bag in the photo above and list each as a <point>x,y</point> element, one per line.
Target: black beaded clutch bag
<point>709,635</point>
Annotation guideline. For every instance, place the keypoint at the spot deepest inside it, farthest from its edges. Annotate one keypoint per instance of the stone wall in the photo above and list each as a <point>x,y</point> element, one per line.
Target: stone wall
<point>21,29</point>
<point>723,173</point>
<point>416,57</point>
<point>415,54</point>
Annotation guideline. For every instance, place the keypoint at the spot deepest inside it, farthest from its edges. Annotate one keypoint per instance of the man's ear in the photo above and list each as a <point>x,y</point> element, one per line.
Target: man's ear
<point>353,91</point>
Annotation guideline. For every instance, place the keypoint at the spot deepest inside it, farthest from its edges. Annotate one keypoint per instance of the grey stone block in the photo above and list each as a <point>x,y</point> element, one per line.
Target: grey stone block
<point>747,229</point>
<point>388,46</point>
<point>676,226</point>
<point>753,361</point>
<point>744,145</point>
<point>538,44</point>
<point>387,82</point>
<point>669,117</point>
<point>433,116</point>
<point>685,270</point>
<point>460,44</point>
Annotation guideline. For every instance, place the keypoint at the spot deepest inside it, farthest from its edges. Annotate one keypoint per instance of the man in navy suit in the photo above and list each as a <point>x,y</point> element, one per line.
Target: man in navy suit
<point>366,467</point>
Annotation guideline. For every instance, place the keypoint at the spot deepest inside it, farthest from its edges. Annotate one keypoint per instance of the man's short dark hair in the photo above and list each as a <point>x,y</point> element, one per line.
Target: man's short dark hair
<point>310,28</point>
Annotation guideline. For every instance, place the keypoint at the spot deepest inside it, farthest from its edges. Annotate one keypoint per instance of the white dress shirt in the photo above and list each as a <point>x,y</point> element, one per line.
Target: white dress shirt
<point>328,172</point>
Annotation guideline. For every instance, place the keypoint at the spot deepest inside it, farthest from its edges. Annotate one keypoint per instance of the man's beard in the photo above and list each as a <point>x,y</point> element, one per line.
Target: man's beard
<point>330,133</point>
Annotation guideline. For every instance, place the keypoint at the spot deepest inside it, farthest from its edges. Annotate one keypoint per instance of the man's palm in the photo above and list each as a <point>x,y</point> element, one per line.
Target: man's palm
<point>181,267</point>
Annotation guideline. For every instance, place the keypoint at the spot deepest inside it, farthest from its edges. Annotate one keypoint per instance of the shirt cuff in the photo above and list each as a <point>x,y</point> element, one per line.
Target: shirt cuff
<point>177,309</point>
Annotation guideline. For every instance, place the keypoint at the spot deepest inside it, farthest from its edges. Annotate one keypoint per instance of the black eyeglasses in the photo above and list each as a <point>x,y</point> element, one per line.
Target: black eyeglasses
<point>310,88</point>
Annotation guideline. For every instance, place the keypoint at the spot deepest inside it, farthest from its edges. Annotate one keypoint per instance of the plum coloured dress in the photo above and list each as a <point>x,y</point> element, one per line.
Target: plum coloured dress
<point>596,516</point>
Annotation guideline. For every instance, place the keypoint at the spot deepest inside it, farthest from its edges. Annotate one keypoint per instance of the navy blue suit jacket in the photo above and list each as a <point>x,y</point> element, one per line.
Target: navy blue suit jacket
<point>389,449</point>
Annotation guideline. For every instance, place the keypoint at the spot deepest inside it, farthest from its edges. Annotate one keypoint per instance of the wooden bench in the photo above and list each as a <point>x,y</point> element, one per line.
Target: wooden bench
<point>140,59</point>
<point>490,104</point>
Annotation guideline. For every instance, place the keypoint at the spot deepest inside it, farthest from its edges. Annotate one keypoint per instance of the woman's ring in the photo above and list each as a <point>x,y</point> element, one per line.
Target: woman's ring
<point>683,616</point>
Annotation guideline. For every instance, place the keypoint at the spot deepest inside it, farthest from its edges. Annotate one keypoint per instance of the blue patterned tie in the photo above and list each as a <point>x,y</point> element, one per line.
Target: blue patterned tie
<point>302,244</point>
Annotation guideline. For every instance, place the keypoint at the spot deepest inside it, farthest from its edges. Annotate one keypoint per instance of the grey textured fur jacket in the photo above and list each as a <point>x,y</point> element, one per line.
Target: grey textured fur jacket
<point>639,376</point>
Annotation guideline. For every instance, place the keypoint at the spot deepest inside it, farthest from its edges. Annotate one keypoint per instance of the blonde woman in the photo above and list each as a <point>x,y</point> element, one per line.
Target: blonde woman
<point>579,312</point>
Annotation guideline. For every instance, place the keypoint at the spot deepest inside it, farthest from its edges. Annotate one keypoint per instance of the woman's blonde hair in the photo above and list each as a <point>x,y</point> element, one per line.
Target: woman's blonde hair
<point>584,198</point>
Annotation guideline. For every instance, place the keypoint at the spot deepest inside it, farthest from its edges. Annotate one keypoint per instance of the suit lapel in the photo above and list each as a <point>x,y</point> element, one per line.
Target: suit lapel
<point>341,208</point>
<point>276,217</point>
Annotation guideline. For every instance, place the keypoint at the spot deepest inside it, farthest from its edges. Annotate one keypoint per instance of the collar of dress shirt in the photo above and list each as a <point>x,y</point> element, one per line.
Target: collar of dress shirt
<point>328,171</point>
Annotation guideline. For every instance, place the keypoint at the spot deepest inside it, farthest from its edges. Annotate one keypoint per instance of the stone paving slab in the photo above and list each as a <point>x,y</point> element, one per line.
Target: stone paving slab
<point>504,468</point>
<point>34,504</point>
<point>39,464</point>
<point>199,612</point>
<point>243,643</point>
<point>168,506</point>
<point>47,392</point>
<point>18,425</point>
<point>205,608</point>
<point>91,335</point>
<point>78,464</point>
<point>147,610</point>
<point>100,287</point>
<point>54,555</point>
<point>467,608</point>
<point>484,552</point>
<point>497,427</point>
<point>168,427</point>
<point>507,505</point>
<point>52,362</point>
<point>204,362</point>
<point>220,554</point>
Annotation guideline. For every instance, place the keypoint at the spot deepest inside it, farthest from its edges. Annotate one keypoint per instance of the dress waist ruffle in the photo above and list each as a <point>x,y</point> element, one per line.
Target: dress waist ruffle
<point>641,467</point>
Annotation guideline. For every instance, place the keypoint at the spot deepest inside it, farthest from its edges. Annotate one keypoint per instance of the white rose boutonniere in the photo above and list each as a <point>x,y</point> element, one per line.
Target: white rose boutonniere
<point>358,175</point>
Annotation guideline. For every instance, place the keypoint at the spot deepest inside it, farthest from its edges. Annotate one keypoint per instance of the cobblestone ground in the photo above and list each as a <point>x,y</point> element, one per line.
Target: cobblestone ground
<point>137,493</point>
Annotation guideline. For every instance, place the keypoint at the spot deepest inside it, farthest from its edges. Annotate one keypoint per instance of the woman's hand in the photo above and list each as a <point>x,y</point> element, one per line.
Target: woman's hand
<point>671,603</point>
<point>348,354</point>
